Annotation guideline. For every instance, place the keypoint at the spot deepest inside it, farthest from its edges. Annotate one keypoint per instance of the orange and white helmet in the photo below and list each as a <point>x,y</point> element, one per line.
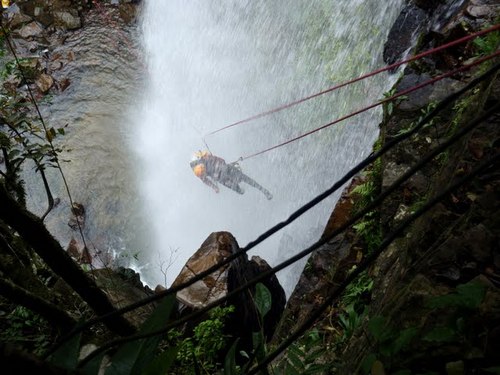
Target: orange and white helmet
<point>200,155</point>
<point>199,170</point>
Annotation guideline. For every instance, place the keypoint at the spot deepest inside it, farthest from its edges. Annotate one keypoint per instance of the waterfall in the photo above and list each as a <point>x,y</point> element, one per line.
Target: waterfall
<point>211,63</point>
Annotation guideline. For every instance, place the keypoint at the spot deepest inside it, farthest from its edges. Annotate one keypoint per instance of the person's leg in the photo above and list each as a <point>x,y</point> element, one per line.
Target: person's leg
<point>229,176</point>
<point>251,182</point>
<point>231,184</point>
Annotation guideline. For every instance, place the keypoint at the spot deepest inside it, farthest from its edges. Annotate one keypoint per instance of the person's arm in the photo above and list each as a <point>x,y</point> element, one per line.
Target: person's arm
<point>207,181</point>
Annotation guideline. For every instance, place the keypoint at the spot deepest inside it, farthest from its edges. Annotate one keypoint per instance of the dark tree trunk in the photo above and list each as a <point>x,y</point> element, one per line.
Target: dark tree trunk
<point>33,231</point>
<point>17,362</point>
<point>54,315</point>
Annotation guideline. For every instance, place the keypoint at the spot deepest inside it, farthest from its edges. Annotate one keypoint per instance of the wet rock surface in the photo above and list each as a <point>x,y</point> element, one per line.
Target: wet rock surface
<point>402,36</point>
<point>325,268</point>
<point>40,30</point>
<point>39,27</point>
<point>217,247</point>
<point>122,286</point>
<point>436,287</point>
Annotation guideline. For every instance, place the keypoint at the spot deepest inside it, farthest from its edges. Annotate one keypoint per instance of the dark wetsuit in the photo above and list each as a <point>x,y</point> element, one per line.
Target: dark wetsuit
<point>228,175</point>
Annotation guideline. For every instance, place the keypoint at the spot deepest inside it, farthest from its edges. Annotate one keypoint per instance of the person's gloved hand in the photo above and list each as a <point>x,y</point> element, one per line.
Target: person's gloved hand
<point>216,189</point>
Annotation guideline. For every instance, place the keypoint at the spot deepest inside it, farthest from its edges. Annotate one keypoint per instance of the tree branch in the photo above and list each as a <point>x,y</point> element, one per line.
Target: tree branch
<point>39,166</point>
<point>34,233</point>
<point>48,311</point>
<point>18,362</point>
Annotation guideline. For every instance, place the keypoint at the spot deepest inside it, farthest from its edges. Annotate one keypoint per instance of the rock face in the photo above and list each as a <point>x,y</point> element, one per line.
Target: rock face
<point>401,37</point>
<point>122,286</point>
<point>216,248</point>
<point>431,296</point>
<point>38,27</point>
<point>326,267</point>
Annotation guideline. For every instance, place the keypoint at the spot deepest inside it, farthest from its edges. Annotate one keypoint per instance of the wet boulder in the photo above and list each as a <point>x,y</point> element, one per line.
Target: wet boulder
<point>68,19</point>
<point>44,82</point>
<point>77,219</point>
<point>78,251</point>
<point>244,320</point>
<point>403,33</point>
<point>31,30</point>
<point>216,248</point>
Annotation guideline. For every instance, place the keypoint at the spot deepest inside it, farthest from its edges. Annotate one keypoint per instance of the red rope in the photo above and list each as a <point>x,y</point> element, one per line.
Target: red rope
<point>404,92</point>
<point>375,72</point>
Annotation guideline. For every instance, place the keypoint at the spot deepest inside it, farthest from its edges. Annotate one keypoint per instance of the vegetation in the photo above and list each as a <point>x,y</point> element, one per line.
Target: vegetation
<point>393,340</point>
<point>304,357</point>
<point>203,349</point>
<point>487,44</point>
<point>368,228</point>
<point>34,314</point>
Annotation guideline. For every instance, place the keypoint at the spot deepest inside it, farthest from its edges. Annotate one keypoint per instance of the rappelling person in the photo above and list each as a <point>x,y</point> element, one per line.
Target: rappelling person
<point>212,169</point>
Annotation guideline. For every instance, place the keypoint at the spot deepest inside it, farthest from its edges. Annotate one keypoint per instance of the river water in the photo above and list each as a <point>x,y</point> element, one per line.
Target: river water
<point>103,64</point>
<point>141,102</point>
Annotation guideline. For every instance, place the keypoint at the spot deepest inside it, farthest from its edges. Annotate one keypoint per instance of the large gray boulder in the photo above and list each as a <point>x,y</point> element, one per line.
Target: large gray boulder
<point>245,320</point>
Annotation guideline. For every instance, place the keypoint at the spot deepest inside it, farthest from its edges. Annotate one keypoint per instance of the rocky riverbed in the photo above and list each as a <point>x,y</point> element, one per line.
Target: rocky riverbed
<point>429,302</point>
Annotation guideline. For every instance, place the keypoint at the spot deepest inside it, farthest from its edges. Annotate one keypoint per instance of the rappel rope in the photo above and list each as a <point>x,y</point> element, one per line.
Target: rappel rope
<point>373,73</point>
<point>402,93</point>
<point>202,138</point>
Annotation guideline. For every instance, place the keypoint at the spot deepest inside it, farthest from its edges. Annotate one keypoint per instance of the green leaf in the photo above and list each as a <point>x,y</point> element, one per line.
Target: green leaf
<point>92,367</point>
<point>404,338</point>
<point>377,327</point>
<point>263,299</point>
<point>386,349</point>
<point>367,363</point>
<point>472,294</point>
<point>13,153</point>
<point>313,336</point>
<point>344,322</point>
<point>132,356</point>
<point>67,355</point>
<point>467,296</point>
<point>258,345</point>
<point>389,108</point>
<point>4,141</point>
<point>317,369</point>
<point>290,370</point>
<point>51,134</point>
<point>230,360</point>
<point>315,354</point>
<point>294,356</point>
<point>440,334</point>
<point>162,363</point>
<point>196,365</point>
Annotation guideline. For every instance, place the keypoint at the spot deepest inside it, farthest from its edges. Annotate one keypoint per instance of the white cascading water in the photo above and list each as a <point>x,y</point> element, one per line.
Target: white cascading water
<point>211,63</point>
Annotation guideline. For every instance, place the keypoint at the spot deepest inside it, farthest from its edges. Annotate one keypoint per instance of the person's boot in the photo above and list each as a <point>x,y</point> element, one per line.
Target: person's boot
<point>268,195</point>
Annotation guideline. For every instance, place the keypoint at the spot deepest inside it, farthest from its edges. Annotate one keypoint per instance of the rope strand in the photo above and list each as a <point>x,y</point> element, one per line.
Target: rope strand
<point>402,93</point>
<point>375,72</point>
